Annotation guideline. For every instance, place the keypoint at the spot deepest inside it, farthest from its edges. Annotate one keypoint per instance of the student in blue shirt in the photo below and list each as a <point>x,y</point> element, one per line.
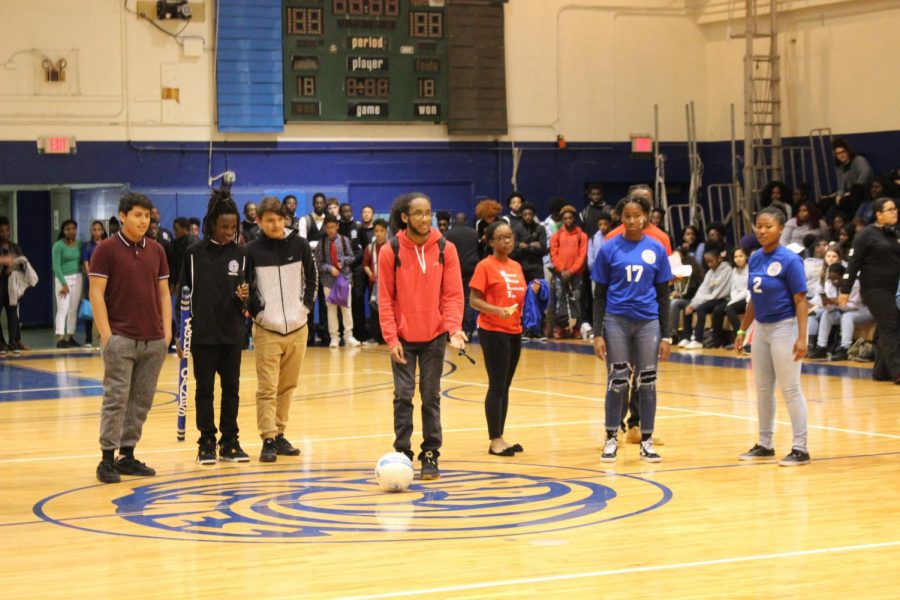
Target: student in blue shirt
<point>778,310</point>
<point>631,321</point>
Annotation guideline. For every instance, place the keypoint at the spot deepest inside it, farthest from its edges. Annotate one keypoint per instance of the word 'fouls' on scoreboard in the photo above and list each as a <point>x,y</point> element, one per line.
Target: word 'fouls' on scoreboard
<point>365,60</point>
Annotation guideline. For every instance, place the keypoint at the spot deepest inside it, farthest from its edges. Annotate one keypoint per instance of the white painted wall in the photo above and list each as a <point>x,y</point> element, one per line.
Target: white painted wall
<point>590,70</point>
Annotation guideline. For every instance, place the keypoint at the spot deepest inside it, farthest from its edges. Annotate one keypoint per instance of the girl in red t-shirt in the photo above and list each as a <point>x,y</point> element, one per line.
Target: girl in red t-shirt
<point>498,294</point>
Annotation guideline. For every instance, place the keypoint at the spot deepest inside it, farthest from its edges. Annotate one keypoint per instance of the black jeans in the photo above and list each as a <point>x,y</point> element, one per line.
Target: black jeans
<point>375,324</point>
<point>501,357</point>
<point>430,359</point>
<point>470,315</point>
<point>717,308</point>
<point>226,361</point>
<point>12,313</point>
<point>360,292</point>
<point>734,312</point>
<point>883,306</point>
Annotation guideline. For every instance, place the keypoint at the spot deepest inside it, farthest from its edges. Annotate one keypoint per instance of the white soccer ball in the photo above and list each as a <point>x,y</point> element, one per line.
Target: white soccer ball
<point>394,472</point>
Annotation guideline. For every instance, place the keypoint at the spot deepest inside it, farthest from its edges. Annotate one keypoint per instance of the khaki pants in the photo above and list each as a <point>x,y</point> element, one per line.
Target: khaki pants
<point>278,362</point>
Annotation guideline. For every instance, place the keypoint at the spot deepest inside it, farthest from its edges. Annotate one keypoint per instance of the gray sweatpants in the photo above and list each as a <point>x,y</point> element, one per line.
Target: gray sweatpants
<point>130,373</point>
<point>772,354</point>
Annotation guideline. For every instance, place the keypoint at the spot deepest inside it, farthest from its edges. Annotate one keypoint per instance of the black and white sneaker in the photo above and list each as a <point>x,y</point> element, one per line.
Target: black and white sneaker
<point>129,465</point>
<point>648,454</point>
<point>758,452</point>
<point>610,450</point>
<point>429,466</point>
<point>796,458</point>
<point>284,447</point>
<point>268,452</point>
<point>107,473</point>
<point>206,452</point>
<point>231,451</point>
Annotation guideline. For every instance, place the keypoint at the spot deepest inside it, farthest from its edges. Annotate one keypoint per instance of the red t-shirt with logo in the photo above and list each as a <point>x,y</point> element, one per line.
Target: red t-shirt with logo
<point>501,283</point>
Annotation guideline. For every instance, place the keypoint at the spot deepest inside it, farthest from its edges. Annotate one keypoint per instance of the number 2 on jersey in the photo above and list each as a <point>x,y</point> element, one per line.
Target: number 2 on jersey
<point>757,285</point>
<point>633,273</point>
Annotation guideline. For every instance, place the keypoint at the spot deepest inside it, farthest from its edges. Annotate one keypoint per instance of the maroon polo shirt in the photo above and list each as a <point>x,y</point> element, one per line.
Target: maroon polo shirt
<point>132,272</point>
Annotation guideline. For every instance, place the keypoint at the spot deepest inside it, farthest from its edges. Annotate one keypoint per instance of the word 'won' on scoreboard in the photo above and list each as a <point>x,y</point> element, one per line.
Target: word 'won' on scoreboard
<point>365,60</point>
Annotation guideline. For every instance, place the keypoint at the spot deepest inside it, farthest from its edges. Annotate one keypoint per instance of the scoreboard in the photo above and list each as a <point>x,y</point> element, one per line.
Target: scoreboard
<point>365,60</point>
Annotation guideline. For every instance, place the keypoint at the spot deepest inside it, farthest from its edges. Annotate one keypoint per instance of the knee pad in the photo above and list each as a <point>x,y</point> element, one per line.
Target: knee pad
<point>619,376</point>
<point>647,377</point>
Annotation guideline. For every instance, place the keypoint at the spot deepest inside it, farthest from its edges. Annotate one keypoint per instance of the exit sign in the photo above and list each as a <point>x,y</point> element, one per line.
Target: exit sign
<point>641,144</point>
<point>53,144</point>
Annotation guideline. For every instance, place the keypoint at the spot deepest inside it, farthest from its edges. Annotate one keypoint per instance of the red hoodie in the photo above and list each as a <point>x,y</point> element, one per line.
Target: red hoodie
<point>419,306</point>
<point>568,250</point>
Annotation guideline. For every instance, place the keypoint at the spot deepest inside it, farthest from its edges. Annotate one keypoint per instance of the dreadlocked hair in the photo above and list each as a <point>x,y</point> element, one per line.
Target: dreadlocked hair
<point>401,206</point>
<point>220,203</point>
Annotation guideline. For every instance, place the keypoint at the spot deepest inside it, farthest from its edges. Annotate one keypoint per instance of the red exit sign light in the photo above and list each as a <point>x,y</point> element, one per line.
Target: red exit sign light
<point>641,144</point>
<point>54,144</point>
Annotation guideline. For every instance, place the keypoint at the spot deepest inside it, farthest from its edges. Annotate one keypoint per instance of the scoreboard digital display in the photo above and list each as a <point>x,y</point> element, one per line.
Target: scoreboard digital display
<point>365,60</point>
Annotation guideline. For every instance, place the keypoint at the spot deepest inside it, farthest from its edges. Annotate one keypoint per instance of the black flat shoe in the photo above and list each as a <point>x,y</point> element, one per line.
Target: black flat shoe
<point>507,452</point>
<point>517,448</point>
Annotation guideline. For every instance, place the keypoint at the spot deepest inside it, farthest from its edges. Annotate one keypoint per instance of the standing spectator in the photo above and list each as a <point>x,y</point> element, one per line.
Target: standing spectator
<point>498,294</point>
<point>164,236</point>
<point>420,303</point>
<point>184,239</point>
<point>9,251</point>
<point>596,242</point>
<point>353,231</point>
<point>875,260</point>
<point>214,272</point>
<point>249,226</point>
<point>631,323</point>
<point>370,266</point>
<point>514,202</point>
<point>195,227</point>
<point>460,219</point>
<point>367,220</point>
<point>588,220</point>
<point>66,256</point>
<point>112,226</point>
<point>465,238</point>
<point>531,244</point>
<point>711,298</point>
<point>855,177</point>
<point>778,311</point>
<point>568,252</point>
<point>289,205</point>
<point>551,225</point>
<point>443,221</point>
<point>281,272</point>
<point>486,212</point>
<point>98,234</point>
<point>333,207</point>
<point>335,257</point>
<point>312,228</point>
<point>130,299</point>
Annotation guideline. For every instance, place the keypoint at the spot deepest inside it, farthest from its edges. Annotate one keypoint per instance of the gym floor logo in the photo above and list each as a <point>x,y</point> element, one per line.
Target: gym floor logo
<point>340,503</point>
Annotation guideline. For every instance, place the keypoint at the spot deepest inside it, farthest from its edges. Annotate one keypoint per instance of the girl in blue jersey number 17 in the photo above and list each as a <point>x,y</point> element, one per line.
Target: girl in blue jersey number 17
<point>631,321</point>
<point>777,287</point>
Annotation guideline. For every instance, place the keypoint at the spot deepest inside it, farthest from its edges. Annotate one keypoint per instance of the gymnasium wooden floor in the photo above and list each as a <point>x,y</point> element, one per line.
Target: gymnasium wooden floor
<point>552,521</point>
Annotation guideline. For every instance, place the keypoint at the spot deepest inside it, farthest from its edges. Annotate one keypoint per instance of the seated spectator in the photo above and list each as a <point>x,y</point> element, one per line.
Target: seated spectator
<point>846,317</point>
<point>814,292</point>
<point>717,237</point>
<point>713,293</point>
<point>683,290</point>
<point>776,191</point>
<point>805,223</point>
<point>837,223</point>
<point>692,243</point>
<point>845,239</point>
<point>739,294</point>
<point>658,219</point>
<point>799,195</point>
<point>855,177</point>
<point>880,188</point>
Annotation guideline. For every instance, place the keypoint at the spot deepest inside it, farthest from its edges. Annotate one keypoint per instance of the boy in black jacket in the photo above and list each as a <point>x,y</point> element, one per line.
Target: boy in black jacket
<point>282,275</point>
<point>213,271</point>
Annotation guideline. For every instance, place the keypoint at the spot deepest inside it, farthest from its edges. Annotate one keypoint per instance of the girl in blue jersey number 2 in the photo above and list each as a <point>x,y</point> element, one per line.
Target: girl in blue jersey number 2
<point>778,304</point>
<point>631,316</point>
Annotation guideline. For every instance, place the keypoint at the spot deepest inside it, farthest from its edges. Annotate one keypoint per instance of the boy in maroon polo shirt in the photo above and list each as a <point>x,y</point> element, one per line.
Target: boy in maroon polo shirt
<point>130,299</point>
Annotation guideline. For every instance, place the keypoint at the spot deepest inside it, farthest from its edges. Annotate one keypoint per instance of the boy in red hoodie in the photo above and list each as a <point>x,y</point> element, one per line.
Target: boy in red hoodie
<point>420,302</point>
<point>568,253</point>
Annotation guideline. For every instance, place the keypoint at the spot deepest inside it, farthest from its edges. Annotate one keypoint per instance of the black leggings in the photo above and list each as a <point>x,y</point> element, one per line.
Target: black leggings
<point>501,357</point>
<point>883,306</point>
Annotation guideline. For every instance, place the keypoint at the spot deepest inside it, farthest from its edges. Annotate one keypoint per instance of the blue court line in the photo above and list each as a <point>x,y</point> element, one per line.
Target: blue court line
<point>25,383</point>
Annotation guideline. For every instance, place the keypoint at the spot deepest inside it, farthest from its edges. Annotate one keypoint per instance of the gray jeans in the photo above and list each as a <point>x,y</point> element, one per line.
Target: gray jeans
<point>773,361</point>
<point>130,373</point>
<point>430,358</point>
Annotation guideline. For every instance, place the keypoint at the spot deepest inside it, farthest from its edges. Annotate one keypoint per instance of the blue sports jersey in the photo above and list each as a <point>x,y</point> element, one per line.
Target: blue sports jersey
<point>773,280</point>
<point>631,271</point>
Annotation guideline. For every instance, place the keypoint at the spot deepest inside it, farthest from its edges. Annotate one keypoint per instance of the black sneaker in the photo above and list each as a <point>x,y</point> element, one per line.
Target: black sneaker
<point>408,453</point>
<point>107,473</point>
<point>231,451</point>
<point>817,353</point>
<point>72,343</point>
<point>206,453</point>
<point>429,466</point>
<point>758,452</point>
<point>795,459</point>
<point>839,354</point>
<point>268,453</point>
<point>3,348</point>
<point>129,465</point>
<point>62,344</point>
<point>284,447</point>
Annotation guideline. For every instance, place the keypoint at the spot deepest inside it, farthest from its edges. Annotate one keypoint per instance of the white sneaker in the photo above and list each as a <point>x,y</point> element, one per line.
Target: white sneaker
<point>334,343</point>
<point>609,451</point>
<point>352,342</point>
<point>684,343</point>
<point>648,454</point>
<point>694,345</point>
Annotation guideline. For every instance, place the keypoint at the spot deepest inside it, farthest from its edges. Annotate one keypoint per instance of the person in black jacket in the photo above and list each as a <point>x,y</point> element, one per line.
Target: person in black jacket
<point>465,238</point>
<point>531,244</point>
<point>282,275</point>
<point>354,231</point>
<point>214,271</point>
<point>875,259</point>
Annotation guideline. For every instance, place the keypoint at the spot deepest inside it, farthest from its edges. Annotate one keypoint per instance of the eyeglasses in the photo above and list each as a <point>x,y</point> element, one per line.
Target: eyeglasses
<point>420,214</point>
<point>502,238</point>
<point>891,209</point>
